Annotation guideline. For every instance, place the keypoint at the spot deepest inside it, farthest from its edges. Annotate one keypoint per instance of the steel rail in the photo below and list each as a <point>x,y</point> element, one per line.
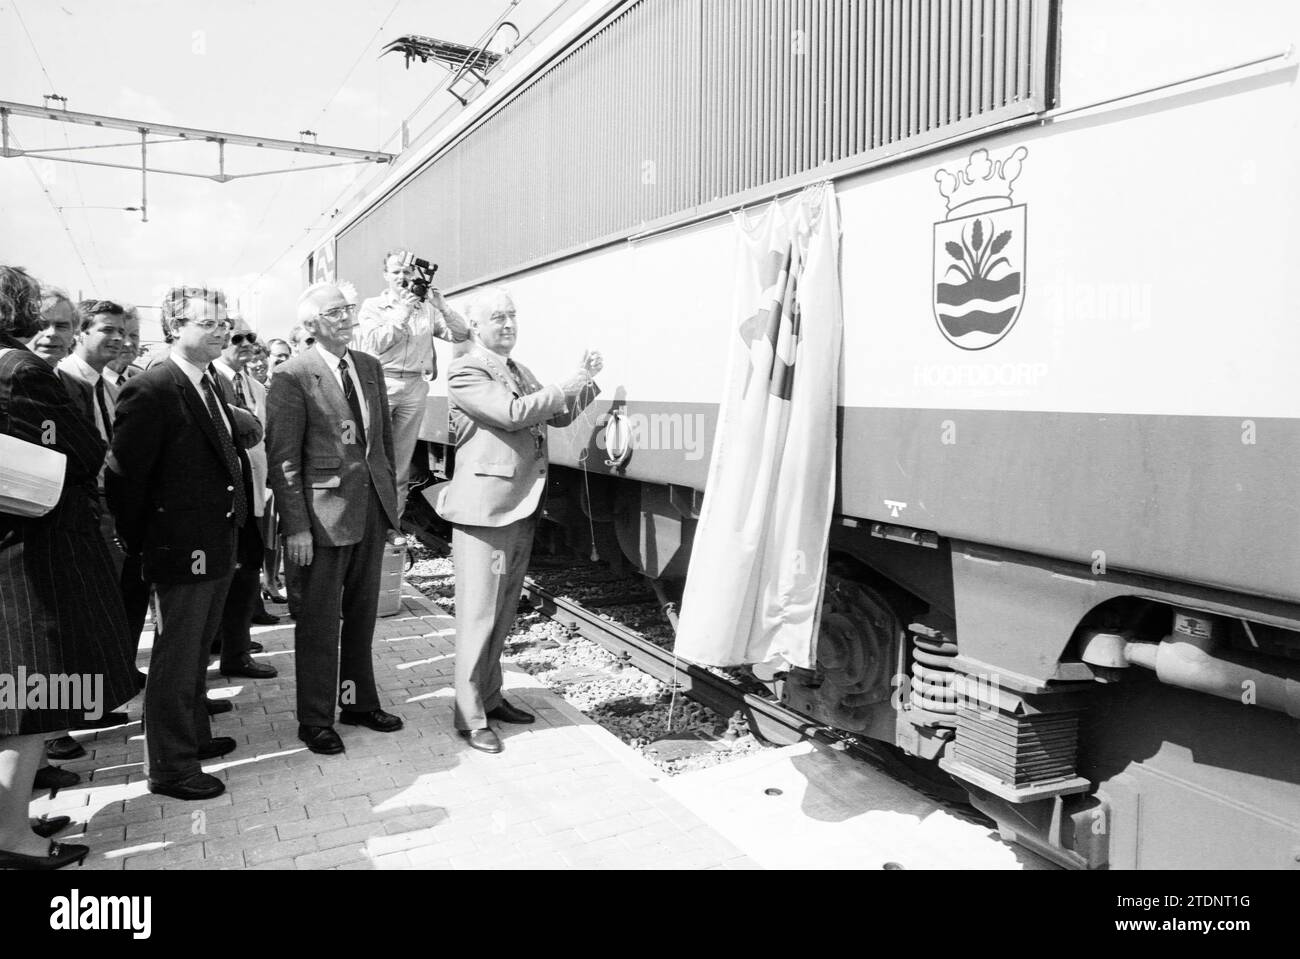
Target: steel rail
<point>768,720</point>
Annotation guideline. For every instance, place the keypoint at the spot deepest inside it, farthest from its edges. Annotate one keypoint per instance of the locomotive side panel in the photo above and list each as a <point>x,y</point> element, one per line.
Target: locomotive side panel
<point>1080,379</point>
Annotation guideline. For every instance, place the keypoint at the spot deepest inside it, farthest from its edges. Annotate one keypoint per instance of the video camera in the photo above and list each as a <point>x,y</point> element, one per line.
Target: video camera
<point>418,285</point>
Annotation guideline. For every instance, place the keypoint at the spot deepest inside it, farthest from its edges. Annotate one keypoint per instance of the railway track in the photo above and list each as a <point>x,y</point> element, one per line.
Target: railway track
<point>766,718</point>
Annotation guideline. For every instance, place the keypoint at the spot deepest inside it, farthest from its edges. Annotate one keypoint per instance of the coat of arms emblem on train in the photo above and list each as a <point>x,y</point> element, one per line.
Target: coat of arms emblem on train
<point>979,251</point>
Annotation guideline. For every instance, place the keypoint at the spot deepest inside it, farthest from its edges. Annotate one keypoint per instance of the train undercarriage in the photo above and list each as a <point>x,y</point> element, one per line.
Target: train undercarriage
<point>1123,752</point>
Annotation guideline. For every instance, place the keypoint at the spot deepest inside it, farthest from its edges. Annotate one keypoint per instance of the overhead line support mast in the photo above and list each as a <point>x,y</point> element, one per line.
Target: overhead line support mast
<point>348,155</point>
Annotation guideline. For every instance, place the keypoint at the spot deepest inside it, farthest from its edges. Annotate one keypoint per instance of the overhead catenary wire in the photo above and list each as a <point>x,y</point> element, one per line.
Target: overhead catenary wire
<point>328,211</point>
<point>266,208</point>
<point>76,180</point>
<point>58,212</point>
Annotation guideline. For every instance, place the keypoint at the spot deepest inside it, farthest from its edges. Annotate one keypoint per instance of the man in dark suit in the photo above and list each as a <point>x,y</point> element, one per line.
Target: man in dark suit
<point>330,457</point>
<point>179,484</point>
<point>499,413</point>
<point>101,332</point>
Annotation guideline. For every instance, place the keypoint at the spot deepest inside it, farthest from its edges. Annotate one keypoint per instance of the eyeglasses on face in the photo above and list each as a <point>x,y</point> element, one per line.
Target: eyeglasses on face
<point>210,325</point>
<point>238,338</point>
<point>340,312</point>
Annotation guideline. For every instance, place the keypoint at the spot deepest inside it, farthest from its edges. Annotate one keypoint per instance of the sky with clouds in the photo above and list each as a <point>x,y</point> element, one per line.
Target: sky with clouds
<point>260,67</point>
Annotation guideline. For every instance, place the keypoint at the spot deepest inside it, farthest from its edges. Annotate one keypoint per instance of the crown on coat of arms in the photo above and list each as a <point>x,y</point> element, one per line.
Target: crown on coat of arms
<point>983,185</point>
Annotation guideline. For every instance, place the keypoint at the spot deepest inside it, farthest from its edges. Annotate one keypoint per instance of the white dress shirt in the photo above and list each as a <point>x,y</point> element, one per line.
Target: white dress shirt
<point>82,370</point>
<point>332,362</point>
<point>195,375</point>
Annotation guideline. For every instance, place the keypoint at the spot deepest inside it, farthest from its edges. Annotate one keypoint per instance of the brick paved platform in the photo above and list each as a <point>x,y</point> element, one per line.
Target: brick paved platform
<point>563,794</point>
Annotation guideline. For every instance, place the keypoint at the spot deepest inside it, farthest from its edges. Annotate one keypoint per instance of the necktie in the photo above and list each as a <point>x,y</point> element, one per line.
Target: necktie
<point>539,434</point>
<point>228,449</point>
<point>350,394</point>
<point>514,374</point>
<point>240,398</point>
<point>106,420</point>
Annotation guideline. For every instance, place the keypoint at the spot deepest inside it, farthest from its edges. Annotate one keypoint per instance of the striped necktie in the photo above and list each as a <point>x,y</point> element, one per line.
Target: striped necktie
<point>240,397</point>
<point>350,394</point>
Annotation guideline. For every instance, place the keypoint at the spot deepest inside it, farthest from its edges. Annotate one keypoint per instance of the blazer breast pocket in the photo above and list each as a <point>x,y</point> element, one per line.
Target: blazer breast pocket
<point>504,470</point>
<point>325,472</point>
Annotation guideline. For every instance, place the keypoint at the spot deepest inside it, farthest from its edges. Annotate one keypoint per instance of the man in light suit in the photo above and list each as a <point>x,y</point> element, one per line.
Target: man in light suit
<point>245,393</point>
<point>330,452</point>
<point>499,413</point>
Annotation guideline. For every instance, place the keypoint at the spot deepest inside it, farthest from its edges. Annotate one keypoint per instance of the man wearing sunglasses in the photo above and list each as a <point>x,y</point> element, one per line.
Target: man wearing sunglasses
<point>243,603</point>
<point>180,487</point>
<point>398,329</point>
<point>330,446</point>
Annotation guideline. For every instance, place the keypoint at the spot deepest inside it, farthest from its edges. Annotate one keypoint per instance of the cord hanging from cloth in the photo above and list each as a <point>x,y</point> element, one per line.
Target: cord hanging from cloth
<point>584,420</point>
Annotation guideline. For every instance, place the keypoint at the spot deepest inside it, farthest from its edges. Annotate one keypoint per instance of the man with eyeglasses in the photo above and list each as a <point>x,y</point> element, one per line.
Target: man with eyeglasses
<point>330,446</point>
<point>500,413</point>
<point>398,330</point>
<point>180,486</point>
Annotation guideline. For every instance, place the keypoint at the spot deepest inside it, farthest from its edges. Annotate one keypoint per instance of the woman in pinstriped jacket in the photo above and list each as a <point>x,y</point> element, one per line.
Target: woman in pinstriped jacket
<point>61,611</point>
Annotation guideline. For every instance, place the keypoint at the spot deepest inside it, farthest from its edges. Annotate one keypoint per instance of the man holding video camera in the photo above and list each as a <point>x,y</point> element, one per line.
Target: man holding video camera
<point>397,327</point>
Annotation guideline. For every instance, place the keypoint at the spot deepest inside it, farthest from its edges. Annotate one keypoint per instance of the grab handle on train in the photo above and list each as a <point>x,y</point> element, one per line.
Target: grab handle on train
<point>618,438</point>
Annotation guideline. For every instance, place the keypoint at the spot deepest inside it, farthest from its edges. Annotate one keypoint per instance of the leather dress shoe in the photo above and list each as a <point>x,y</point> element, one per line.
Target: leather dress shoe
<point>249,669</point>
<point>65,747</point>
<point>509,714</point>
<point>254,646</point>
<point>60,855</point>
<point>274,596</point>
<point>484,740</point>
<point>265,619</point>
<point>53,778</point>
<point>321,739</point>
<point>216,706</point>
<point>217,746</point>
<point>47,826</point>
<point>197,786</point>
<point>376,719</point>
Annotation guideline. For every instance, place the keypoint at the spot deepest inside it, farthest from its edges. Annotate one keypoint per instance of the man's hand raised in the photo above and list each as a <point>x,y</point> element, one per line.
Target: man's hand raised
<point>590,364</point>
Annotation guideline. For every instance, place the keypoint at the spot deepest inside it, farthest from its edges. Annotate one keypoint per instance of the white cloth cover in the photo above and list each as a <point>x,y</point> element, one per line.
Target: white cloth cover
<point>753,591</point>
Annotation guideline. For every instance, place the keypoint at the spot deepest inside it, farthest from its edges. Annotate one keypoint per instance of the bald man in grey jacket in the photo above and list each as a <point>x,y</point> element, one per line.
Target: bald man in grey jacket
<point>500,413</point>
